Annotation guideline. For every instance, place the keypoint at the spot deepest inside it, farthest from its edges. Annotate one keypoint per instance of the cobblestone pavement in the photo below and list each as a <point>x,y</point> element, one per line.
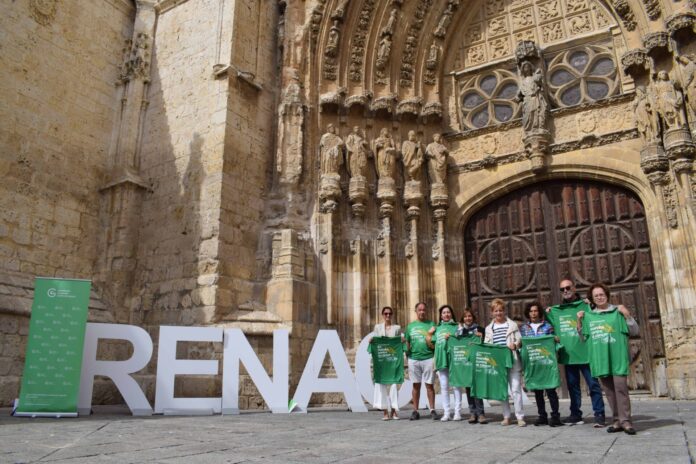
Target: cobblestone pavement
<point>666,434</point>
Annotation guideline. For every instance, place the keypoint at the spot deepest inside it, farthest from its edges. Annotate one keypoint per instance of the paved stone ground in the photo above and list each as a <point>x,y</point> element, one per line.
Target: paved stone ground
<point>666,434</point>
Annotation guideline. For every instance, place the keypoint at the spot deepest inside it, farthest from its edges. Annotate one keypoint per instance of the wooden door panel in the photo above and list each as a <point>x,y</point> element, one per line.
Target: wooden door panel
<point>519,246</point>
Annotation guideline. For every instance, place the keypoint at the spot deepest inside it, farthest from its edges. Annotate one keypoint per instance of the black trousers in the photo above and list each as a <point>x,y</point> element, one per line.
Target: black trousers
<point>553,401</point>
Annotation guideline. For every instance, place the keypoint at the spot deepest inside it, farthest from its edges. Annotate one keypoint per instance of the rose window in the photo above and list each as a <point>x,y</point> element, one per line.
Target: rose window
<point>580,76</point>
<point>488,99</point>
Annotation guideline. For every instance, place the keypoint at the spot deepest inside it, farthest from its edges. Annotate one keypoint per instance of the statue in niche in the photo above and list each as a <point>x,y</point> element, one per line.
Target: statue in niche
<point>433,55</point>
<point>669,101</point>
<point>412,153</point>
<point>358,152</point>
<point>389,28</point>
<point>437,153</point>
<point>384,51</point>
<point>444,22</point>
<point>688,68</point>
<point>340,10</point>
<point>334,38</point>
<point>386,154</point>
<point>331,147</point>
<point>534,105</point>
<point>646,116</point>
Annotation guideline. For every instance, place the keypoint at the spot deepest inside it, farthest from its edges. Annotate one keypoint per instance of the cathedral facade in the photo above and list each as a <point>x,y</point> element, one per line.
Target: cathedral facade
<point>286,164</point>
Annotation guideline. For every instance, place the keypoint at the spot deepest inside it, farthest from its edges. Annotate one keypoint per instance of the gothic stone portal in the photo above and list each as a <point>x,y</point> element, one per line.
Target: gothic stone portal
<point>518,246</point>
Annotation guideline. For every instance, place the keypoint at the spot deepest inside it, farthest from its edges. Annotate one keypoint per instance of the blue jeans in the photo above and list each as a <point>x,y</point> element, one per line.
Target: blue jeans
<point>573,372</point>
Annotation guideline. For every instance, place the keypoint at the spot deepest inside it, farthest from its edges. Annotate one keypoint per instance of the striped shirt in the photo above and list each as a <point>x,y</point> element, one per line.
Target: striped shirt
<point>500,333</point>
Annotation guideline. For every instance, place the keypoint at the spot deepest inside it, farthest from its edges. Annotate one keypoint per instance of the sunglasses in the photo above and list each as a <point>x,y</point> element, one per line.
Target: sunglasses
<point>566,289</point>
<point>387,314</point>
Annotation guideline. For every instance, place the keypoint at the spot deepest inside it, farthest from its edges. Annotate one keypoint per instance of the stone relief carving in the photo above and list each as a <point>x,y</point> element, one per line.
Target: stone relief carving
<point>413,32</point>
<point>359,41</point>
<point>652,9</point>
<point>136,62</point>
<point>331,52</point>
<point>580,24</point>
<point>573,6</point>
<point>494,7</point>
<point>412,157</point>
<point>340,10</point>
<point>552,32</point>
<point>474,34</point>
<point>528,34</point>
<point>315,20</point>
<point>43,11</point>
<point>645,114</point>
<point>384,51</point>
<point>499,47</point>
<point>390,27</point>
<point>669,101</point>
<point>437,154</point>
<point>386,153</point>
<point>623,9</point>
<point>549,10</point>
<point>331,146</point>
<point>600,16</point>
<point>433,56</point>
<point>497,26</point>
<point>475,55</point>
<point>522,19</point>
<point>358,152</point>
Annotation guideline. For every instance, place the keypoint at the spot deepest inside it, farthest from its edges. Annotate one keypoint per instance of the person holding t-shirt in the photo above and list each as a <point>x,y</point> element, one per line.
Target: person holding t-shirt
<point>469,328</point>
<point>606,329</point>
<point>536,327</point>
<point>385,397</point>
<point>419,351</point>
<point>503,331</point>
<point>563,318</point>
<point>446,328</point>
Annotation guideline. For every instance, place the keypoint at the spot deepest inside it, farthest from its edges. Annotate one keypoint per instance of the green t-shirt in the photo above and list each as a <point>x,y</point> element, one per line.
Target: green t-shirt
<point>387,360</point>
<point>441,359</point>
<point>416,334</point>
<point>491,364</point>
<point>461,369</point>
<point>564,319</point>
<point>607,338</point>
<point>540,362</point>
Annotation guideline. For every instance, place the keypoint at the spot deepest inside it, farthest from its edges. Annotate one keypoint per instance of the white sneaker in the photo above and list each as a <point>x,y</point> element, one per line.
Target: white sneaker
<point>445,417</point>
<point>457,416</point>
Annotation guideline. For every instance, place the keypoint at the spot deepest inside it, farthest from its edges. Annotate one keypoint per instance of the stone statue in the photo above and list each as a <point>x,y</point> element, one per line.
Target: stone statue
<point>389,28</point>
<point>436,154</point>
<point>669,101</point>
<point>444,22</point>
<point>688,68</point>
<point>386,154</point>
<point>645,116</point>
<point>433,55</point>
<point>331,147</point>
<point>412,153</point>
<point>534,105</point>
<point>358,152</point>
<point>340,10</point>
<point>334,37</point>
<point>384,51</point>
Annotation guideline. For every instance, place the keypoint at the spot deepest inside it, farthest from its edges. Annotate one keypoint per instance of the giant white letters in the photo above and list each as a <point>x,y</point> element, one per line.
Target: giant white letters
<point>168,367</point>
<point>118,371</point>
<point>238,349</point>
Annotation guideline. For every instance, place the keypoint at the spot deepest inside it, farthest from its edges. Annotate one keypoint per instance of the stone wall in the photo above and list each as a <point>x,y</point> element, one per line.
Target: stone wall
<point>60,63</point>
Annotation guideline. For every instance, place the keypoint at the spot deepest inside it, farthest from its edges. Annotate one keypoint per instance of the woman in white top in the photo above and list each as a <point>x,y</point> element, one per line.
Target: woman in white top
<point>504,331</point>
<point>386,396</point>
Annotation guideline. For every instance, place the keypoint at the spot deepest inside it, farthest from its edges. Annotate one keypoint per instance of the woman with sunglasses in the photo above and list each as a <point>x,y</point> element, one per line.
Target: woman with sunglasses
<point>386,396</point>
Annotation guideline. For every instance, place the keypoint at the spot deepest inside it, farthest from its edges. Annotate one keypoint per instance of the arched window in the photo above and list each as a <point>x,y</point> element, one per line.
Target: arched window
<point>488,99</point>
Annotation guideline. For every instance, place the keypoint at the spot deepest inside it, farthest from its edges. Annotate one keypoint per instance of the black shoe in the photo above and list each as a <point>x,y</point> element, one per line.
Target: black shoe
<point>541,421</point>
<point>555,422</point>
<point>573,420</point>
<point>599,422</point>
<point>614,429</point>
<point>629,430</point>
<point>414,416</point>
<point>434,415</point>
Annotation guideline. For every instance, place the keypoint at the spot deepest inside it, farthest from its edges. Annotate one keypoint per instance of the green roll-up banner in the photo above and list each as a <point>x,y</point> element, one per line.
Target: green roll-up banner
<point>51,379</point>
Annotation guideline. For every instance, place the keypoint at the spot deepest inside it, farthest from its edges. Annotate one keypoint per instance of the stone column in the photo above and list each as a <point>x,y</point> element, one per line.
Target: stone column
<point>413,197</point>
<point>286,291</point>
<point>358,290</point>
<point>122,192</point>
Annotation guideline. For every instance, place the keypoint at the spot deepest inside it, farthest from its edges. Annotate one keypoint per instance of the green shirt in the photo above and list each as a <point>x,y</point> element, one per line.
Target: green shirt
<point>564,319</point>
<point>607,338</point>
<point>416,334</point>
<point>387,360</point>
<point>461,369</point>
<point>540,363</point>
<point>441,359</point>
<point>491,364</point>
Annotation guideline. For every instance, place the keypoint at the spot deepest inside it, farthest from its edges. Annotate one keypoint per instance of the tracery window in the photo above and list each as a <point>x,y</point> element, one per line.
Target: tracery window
<point>582,75</point>
<point>489,98</point>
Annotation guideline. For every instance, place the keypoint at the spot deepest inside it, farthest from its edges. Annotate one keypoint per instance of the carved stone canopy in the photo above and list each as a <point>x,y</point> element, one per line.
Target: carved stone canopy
<point>526,50</point>
<point>656,42</point>
<point>636,62</point>
<point>681,21</point>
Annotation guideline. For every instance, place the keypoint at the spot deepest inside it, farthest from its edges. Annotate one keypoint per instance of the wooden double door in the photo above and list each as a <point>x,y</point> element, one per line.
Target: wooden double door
<point>520,246</point>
